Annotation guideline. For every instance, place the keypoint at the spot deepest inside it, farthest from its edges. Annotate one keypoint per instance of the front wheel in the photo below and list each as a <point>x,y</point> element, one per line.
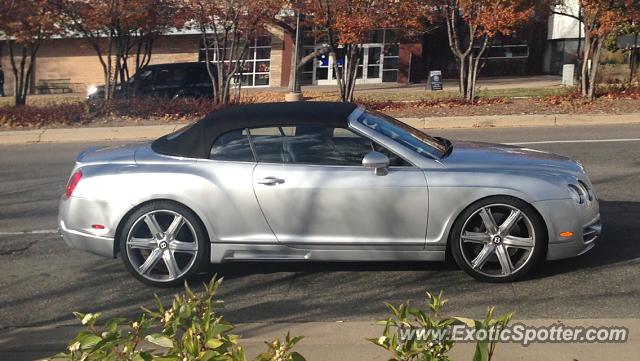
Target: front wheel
<point>163,243</point>
<point>498,239</point>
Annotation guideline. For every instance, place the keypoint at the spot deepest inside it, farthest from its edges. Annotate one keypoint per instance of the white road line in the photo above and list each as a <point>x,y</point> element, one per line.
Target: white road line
<point>39,231</point>
<point>578,141</point>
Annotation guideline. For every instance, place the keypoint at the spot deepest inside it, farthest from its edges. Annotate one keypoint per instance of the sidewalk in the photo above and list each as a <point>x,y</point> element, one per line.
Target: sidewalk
<point>93,134</point>
<point>534,81</point>
<point>331,341</point>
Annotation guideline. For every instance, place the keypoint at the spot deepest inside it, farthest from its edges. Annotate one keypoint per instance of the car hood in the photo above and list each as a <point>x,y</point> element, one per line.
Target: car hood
<point>489,155</point>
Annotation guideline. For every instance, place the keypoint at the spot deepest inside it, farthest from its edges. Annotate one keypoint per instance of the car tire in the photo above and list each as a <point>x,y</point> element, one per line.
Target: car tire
<point>163,243</point>
<point>498,239</point>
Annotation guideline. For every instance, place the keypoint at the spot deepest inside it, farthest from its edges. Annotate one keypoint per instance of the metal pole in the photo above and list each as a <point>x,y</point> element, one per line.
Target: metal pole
<point>295,94</point>
<point>296,86</point>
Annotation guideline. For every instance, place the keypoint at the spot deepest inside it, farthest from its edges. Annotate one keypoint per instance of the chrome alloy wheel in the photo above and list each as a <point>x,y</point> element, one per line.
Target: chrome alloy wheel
<point>162,245</point>
<point>497,240</point>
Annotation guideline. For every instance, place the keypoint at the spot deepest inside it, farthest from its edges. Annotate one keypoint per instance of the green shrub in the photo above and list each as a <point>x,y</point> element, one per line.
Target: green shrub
<point>432,347</point>
<point>191,329</point>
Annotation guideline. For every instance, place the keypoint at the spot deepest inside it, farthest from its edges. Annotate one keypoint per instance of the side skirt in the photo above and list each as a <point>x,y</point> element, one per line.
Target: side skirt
<point>225,252</point>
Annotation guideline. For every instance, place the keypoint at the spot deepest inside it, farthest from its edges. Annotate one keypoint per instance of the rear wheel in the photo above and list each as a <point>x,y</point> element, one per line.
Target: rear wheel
<point>498,239</point>
<point>163,243</point>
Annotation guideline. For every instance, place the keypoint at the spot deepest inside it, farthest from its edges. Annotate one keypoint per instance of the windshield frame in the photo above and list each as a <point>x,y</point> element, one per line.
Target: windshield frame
<point>436,148</point>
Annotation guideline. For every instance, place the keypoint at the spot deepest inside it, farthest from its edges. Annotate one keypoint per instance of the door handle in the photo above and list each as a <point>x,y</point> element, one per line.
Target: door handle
<point>270,181</point>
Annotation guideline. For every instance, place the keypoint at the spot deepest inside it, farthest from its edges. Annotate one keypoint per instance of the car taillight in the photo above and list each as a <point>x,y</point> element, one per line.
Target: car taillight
<point>73,182</point>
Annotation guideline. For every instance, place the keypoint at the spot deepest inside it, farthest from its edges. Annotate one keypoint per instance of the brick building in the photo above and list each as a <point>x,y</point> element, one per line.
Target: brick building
<point>384,59</point>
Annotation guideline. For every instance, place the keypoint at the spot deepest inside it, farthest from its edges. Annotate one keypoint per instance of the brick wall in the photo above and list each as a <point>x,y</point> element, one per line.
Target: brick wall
<point>277,56</point>
<point>76,60</point>
<point>410,66</point>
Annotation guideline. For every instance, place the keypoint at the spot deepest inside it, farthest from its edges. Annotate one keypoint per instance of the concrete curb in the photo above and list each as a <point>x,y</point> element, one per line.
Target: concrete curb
<point>92,134</point>
<point>523,120</point>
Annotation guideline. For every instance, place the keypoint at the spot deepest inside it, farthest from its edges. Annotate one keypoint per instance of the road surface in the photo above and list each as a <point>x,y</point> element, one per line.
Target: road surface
<point>43,281</point>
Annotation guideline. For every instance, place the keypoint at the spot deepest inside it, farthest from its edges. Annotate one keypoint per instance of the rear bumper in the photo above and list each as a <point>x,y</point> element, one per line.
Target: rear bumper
<point>75,219</point>
<point>102,246</point>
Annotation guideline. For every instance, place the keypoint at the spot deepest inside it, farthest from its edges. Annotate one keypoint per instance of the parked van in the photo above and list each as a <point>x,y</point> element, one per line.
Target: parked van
<point>171,81</point>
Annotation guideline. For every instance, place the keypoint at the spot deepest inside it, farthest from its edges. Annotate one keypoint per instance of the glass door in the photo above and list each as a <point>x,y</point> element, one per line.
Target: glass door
<point>323,70</point>
<point>369,66</point>
<point>372,62</point>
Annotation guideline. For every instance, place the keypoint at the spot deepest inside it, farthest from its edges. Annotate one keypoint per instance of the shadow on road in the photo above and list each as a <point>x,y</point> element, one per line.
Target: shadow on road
<point>326,291</point>
<point>619,242</point>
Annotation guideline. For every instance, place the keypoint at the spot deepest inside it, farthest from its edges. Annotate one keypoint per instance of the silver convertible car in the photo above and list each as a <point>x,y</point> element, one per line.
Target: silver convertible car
<point>314,181</point>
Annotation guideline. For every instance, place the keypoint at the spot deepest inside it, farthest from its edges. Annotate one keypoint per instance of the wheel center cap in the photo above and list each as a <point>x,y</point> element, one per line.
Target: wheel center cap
<point>163,245</point>
<point>497,240</point>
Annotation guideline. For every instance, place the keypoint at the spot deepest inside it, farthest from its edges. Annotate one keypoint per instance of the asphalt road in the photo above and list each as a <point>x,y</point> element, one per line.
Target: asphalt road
<point>43,281</point>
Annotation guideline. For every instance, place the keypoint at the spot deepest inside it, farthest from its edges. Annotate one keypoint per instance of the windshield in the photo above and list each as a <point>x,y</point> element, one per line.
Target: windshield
<point>404,134</point>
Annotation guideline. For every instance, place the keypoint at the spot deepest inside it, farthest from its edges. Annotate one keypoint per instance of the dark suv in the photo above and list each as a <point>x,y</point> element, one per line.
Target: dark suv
<point>175,80</point>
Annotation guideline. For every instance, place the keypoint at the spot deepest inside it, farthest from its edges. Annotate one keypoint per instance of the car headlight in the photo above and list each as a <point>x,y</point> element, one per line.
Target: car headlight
<point>580,192</point>
<point>588,192</point>
<point>92,90</point>
<point>576,194</point>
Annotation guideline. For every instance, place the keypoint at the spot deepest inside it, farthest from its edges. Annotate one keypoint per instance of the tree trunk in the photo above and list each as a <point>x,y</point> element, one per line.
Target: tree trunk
<point>21,71</point>
<point>474,69</point>
<point>461,76</point>
<point>584,71</point>
<point>294,74</point>
<point>339,76</point>
<point>593,73</point>
<point>633,59</point>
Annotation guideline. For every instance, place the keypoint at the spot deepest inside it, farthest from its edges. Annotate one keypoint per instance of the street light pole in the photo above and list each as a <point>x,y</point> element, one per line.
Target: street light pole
<point>296,94</point>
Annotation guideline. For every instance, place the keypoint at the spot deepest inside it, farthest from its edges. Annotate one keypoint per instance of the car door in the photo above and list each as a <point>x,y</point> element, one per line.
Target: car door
<point>315,193</point>
<point>230,202</point>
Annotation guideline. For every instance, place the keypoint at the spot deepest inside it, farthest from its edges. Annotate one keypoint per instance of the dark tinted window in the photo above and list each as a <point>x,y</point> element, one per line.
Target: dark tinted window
<point>197,75</point>
<point>315,145</point>
<point>232,146</point>
<point>173,75</point>
<point>269,144</point>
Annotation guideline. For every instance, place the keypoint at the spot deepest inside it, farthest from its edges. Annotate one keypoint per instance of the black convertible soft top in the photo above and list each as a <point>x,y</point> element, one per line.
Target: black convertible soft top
<point>195,141</point>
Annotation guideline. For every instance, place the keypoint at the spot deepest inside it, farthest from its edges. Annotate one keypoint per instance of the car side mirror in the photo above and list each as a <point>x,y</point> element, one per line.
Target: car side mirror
<point>376,161</point>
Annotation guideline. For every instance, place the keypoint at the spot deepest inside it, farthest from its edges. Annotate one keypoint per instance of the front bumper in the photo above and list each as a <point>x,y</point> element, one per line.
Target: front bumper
<point>567,216</point>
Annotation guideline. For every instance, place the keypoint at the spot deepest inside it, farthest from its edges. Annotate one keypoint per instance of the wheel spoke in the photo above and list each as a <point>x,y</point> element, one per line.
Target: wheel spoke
<point>151,261</point>
<point>142,243</point>
<point>172,265</point>
<point>488,220</point>
<point>483,256</point>
<point>504,259</point>
<point>511,221</point>
<point>518,242</point>
<point>186,247</point>
<point>174,227</point>
<point>475,237</point>
<point>154,227</point>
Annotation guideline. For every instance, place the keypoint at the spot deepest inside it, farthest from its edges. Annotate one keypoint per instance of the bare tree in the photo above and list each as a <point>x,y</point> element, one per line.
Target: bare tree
<point>25,25</point>
<point>228,29</point>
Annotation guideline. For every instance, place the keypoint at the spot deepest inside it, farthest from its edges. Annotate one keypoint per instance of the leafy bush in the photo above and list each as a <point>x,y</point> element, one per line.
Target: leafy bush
<point>191,329</point>
<point>38,116</point>
<point>432,347</point>
<point>151,107</point>
<point>79,113</point>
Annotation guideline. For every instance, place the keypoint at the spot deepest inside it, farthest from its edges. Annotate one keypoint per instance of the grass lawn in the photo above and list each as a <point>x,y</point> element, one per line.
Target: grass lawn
<point>419,94</point>
<point>387,95</point>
